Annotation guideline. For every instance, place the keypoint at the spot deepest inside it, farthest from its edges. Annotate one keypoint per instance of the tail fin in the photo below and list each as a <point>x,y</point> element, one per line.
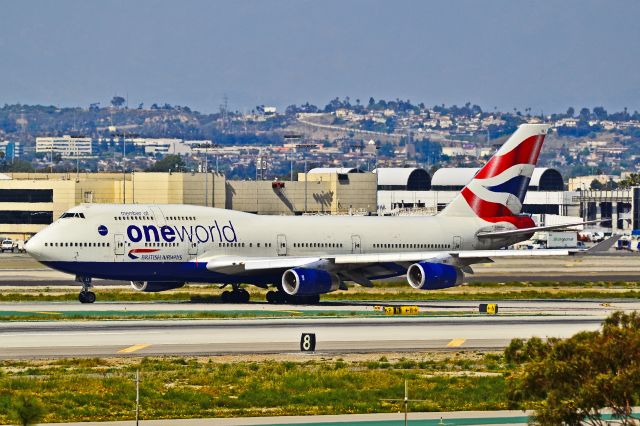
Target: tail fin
<point>497,191</point>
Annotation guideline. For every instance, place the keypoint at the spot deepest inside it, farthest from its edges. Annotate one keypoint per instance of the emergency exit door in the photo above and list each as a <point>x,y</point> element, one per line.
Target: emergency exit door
<point>356,244</point>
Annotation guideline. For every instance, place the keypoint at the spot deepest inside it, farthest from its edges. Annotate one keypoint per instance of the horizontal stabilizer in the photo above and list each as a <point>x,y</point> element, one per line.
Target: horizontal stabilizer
<point>510,232</point>
<point>603,246</point>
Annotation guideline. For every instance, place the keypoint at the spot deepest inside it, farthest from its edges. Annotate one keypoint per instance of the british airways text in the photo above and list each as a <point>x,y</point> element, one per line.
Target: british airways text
<point>191,233</point>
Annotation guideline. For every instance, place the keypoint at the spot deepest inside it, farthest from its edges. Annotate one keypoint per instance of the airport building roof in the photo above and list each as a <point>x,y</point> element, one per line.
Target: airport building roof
<point>403,178</point>
<point>335,170</point>
<point>455,178</point>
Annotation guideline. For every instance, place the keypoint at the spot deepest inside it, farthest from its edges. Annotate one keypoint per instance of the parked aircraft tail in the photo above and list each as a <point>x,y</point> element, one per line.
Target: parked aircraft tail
<point>497,191</point>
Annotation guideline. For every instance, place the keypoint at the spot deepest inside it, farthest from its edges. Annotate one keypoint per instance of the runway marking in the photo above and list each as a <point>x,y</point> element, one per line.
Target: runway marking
<point>49,313</point>
<point>455,343</point>
<point>133,348</point>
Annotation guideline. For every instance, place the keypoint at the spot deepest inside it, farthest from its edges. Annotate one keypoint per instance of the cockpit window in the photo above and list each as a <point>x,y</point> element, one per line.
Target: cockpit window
<point>68,215</point>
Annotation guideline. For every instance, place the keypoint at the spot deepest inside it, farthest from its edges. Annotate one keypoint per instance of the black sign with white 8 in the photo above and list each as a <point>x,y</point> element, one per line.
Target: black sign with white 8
<point>308,342</point>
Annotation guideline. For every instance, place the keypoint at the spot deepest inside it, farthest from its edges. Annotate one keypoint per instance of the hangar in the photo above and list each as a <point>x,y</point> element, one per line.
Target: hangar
<point>455,178</point>
<point>403,179</point>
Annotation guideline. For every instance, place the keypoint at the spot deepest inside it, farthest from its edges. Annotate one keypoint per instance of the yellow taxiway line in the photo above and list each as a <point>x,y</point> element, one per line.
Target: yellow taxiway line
<point>455,343</point>
<point>133,348</point>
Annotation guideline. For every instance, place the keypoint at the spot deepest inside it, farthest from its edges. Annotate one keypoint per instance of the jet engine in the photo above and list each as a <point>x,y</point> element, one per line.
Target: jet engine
<point>433,276</point>
<point>306,282</point>
<point>155,286</point>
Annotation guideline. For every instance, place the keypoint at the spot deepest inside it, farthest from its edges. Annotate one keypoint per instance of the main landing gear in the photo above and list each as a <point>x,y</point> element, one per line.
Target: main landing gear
<point>86,295</point>
<point>237,295</point>
<point>279,297</point>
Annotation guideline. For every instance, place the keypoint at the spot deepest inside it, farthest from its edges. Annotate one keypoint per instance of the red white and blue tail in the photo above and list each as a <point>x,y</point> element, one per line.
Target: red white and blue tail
<point>496,192</point>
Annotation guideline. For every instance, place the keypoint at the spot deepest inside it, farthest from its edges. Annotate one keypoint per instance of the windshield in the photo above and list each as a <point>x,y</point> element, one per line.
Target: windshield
<point>69,214</point>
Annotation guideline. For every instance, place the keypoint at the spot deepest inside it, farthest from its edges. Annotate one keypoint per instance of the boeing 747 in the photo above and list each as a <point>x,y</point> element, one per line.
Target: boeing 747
<point>162,247</point>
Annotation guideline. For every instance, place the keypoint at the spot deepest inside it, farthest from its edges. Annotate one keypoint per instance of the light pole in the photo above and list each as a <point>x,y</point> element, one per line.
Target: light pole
<point>137,397</point>
<point>305,145</point>
<point>292,138</point>
<point>405,401</point>
<point>123,135</point>
<point>206,147</point>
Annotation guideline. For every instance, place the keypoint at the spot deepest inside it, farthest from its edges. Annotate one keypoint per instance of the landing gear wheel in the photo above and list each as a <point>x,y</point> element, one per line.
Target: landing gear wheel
<point>87,297</point>
<point>275,297</point>
<point>271,297</point>
<point>243,296</point>
<point>226,297</point>
<point>235,296</point>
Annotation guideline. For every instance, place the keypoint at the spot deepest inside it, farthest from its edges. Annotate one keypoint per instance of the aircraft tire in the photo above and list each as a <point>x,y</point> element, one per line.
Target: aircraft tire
<point>243,296</point>
<point>87,297</point>
<point>279,297</point>
<point>226,297</point>
<point>271,297</point>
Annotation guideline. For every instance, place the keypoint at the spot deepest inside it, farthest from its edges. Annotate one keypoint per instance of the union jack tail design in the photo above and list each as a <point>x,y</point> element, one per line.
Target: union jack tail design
<point>496,192</point>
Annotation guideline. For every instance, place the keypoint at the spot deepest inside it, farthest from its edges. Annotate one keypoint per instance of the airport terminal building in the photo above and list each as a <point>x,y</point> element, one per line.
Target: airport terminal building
<point>30,201</point>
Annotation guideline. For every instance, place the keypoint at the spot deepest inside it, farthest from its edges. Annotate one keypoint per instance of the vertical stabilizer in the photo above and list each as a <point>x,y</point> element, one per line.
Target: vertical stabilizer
<point>499,188</point>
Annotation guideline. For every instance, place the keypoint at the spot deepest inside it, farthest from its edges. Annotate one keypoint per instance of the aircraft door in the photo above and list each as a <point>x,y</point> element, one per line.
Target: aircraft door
<point>118,246</point>
<point>457,243</point>
<point>193,248</point>
<point>282,245</point>
<point>356,245</point>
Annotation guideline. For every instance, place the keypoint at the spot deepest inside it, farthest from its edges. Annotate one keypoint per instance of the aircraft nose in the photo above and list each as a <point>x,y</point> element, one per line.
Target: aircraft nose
<point>34,246</point>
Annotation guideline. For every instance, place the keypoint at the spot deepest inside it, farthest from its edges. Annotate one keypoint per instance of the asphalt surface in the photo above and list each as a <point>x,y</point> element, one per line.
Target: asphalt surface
<point>274,336</point>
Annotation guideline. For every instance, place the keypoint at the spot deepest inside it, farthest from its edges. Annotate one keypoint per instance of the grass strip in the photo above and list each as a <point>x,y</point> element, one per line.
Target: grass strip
<point>176,387</point>
<point>8,316</point>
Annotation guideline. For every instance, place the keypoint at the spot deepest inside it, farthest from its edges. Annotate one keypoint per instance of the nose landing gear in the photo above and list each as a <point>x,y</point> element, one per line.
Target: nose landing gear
<point>86,295</point>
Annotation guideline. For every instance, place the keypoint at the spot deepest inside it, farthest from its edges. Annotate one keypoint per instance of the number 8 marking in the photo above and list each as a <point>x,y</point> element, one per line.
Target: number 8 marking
<point>306,342</point>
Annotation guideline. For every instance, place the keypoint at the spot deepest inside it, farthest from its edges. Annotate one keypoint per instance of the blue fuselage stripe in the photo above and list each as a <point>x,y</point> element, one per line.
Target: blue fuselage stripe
<point>160,271</point>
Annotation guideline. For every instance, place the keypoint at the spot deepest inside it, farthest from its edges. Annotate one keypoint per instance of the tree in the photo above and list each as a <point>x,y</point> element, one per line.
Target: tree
<point>632,180</point>
<point>569,381</point>
<point>26,410</point>
<point>570,112</point>
<point>585,114</point>
<point>600,113</point>
<point>596,184</point>
<point>118,101</point>
<point>169,163</point>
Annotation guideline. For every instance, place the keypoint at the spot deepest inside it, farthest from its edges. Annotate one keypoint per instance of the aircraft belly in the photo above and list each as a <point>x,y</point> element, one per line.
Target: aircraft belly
<point>157,271</point>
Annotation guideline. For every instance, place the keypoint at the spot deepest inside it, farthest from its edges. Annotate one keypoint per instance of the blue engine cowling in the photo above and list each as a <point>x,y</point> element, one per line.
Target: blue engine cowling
<point>307,282</point>
<point>155,286</point>
<point>433,276</point>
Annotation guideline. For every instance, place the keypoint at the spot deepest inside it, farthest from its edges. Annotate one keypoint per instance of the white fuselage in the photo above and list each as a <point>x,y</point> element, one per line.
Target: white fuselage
<point>129,241</point>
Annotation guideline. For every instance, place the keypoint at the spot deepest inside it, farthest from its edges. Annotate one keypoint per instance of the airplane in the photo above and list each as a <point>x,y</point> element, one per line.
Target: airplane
<point>162,247</point>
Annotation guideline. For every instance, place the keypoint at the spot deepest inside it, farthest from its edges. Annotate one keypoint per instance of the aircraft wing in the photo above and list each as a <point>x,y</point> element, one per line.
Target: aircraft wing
<point>235,264</point>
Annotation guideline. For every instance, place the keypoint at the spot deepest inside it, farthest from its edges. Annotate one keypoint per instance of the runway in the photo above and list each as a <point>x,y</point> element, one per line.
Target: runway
<point>277,336</point>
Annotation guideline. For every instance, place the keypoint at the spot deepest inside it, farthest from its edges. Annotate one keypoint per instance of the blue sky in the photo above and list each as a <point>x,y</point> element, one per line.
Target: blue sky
<point>547,55</point>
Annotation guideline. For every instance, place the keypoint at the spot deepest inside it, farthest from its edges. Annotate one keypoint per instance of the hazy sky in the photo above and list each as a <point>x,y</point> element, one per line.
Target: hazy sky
<point>546,55</point>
